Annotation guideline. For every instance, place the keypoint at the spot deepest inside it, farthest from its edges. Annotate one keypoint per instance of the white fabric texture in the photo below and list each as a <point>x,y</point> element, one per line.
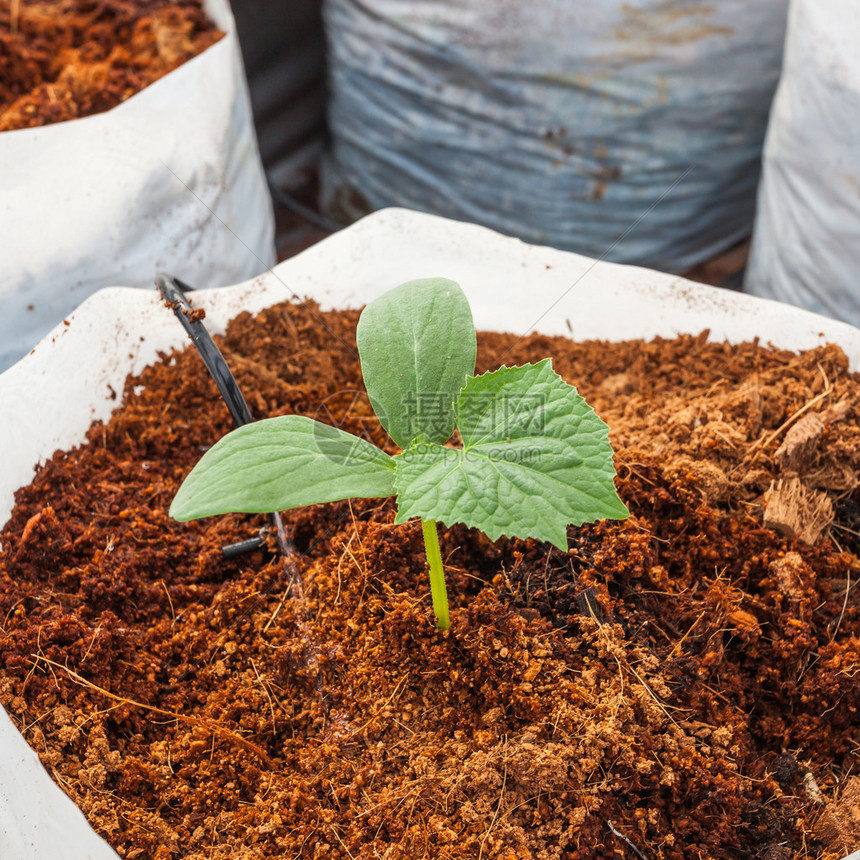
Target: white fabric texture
<point>169,180</point>
<point>806,241</point>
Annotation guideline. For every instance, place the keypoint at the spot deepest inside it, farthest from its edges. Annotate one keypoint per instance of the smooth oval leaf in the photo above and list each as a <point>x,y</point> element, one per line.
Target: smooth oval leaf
<point>281,463</point>
<point>417,347</point>
<point>536,458</point>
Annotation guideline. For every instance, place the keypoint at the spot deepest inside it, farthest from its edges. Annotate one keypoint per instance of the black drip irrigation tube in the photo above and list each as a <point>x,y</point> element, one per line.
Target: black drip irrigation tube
<point>173,291</point>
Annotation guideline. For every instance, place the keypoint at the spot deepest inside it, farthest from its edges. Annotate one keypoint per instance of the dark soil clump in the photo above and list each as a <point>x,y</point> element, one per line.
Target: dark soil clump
<point>683,684</point>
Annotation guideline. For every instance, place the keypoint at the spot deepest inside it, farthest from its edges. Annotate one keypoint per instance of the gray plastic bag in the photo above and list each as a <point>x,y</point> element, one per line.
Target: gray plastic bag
<point>626,131</point>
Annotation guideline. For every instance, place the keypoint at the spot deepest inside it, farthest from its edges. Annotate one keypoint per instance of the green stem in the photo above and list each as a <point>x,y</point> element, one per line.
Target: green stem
<point>437,574</point>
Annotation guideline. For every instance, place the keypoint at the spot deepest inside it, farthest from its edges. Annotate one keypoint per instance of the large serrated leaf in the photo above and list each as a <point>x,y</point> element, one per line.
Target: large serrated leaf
<point>536,458</point>
<point>281,463</point>
<point>417,347</point>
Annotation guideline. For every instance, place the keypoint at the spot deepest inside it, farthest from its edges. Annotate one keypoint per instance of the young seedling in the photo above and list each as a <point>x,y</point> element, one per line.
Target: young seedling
<point>534,458</point>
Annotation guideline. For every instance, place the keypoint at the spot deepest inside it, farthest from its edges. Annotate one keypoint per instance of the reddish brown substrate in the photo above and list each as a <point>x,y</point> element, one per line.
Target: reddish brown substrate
<point>675,680</point>
<point>64,59</point>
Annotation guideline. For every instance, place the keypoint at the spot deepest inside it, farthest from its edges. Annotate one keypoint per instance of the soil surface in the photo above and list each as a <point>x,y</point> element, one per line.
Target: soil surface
<point>682,684</point>
<point>64,59</point>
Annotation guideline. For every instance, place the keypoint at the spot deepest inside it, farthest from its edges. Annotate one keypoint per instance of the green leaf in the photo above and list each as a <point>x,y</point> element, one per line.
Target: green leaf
<point>417,347</point>
<point>282,463</point>
<point>535,459</point>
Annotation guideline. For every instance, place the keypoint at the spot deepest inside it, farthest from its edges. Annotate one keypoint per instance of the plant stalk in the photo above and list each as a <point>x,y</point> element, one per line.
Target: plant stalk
<point>437,574</point>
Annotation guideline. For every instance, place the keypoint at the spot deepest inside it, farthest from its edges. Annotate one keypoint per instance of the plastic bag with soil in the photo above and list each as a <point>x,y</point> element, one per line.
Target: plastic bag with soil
<point>635,690</point>
<point>164,177</point>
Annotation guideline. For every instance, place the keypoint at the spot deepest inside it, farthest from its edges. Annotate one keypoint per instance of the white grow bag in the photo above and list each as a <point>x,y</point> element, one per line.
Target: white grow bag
<point>806,239</point>
<point>170,179</point>
<point>512,286</point>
